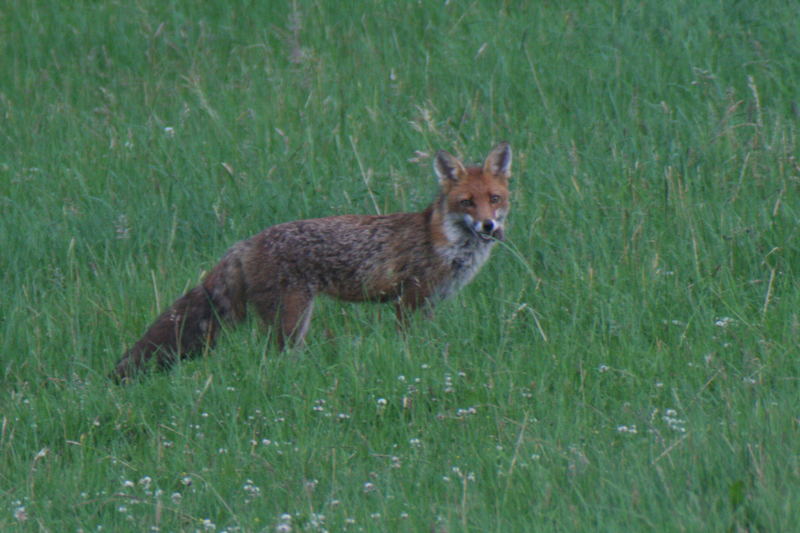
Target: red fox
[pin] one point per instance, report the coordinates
(411, 259)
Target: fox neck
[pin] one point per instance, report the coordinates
(460, 249)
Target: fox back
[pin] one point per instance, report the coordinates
(412, 259)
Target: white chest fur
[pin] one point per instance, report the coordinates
(465, 260)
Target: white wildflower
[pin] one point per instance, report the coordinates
(723, 322)
(20, 514)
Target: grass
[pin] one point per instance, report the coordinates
(627, 362)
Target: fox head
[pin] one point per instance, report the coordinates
(474, 199)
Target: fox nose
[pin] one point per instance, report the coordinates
(488, 226)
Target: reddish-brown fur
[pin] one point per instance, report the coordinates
(409, 258)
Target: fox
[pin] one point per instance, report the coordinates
(412, 259)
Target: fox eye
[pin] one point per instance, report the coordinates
(466, 202)
(494, 198)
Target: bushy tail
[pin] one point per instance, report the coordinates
(190, 324)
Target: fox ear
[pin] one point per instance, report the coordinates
(498, 162)
(447, 167)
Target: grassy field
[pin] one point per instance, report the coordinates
(627, 362)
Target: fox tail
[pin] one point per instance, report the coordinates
(190, 324)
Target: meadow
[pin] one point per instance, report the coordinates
(627, 360)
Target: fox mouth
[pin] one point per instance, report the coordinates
(496, 234)
(485, 231)
(485, 237)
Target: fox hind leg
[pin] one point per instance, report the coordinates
(288, 315)
(295, 317)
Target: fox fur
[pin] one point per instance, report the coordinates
(411, 259)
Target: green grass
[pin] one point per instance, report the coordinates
(628, 362)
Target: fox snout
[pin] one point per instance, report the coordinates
(486, 229)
